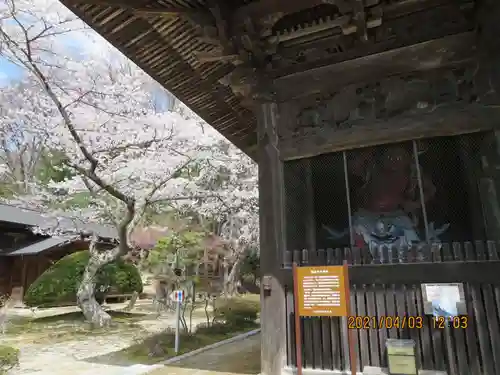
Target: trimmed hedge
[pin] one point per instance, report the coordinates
(59, 284)
(237, 312)
(9, 358)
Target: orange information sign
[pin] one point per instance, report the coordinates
(322, 291)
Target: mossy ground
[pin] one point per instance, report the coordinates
(160, 347)
(66, 326)
(242, 311)
(9, 358)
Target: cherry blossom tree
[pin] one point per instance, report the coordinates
(235, 208)
(95, 108)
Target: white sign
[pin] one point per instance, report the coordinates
(444, 298)
(177, 296)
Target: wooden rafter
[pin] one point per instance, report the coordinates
(156, 11)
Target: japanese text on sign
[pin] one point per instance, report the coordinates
(322, 291)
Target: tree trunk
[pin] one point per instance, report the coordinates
(230, 288)
(85, 296)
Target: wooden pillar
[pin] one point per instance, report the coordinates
(272, 241)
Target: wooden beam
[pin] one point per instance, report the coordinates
(420, 273)
(445, 121)
(473, 272)
(263, 8)
(214, 56)
(418, 57)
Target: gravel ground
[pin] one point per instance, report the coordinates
(67, 356)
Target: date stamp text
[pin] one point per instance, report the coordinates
(406, 322)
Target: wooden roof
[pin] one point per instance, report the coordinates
(207, 52)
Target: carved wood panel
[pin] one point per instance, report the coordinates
(395, 31)
(315, 121)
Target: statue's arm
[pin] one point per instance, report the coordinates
(358, 164)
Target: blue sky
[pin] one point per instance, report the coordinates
(9, 71)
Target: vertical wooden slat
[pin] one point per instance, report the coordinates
(359, 309)
(425, 333)
(470, 331)
(297, 257)
(458, 334)
(317, 345)
(411, 302)
(401, 310)
(307, 331)
(437, 334)
(373, 333)
(290, 327)
(493, 249)
(492, 295)
(390, 301)
(334, 258)
(325, 327)
(487, 319)
(290, 318)
(451, 348)
(290, 334)
(347, 256)
(479, 315)
(380, 312)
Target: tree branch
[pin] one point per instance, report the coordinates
(32, 66)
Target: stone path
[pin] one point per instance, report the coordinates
(240, 357)
(66, 357)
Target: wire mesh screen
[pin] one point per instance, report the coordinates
(403, 194)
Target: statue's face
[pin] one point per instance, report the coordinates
(396, 158)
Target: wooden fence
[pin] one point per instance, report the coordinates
(389, 284)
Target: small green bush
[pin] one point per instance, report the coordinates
(59, 284)
(237, 312)
(9, 358)
(213, 329)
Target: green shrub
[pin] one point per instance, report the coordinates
(213, 329)
(9, 358)
(237, 312)
(59, 284)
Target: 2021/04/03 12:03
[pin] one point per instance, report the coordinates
(405, 321)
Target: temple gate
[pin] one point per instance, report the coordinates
(355, 110)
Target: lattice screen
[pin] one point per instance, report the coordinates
(428, 189)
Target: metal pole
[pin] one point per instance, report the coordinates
(421, 190)
(348, 194)
(177, 324)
